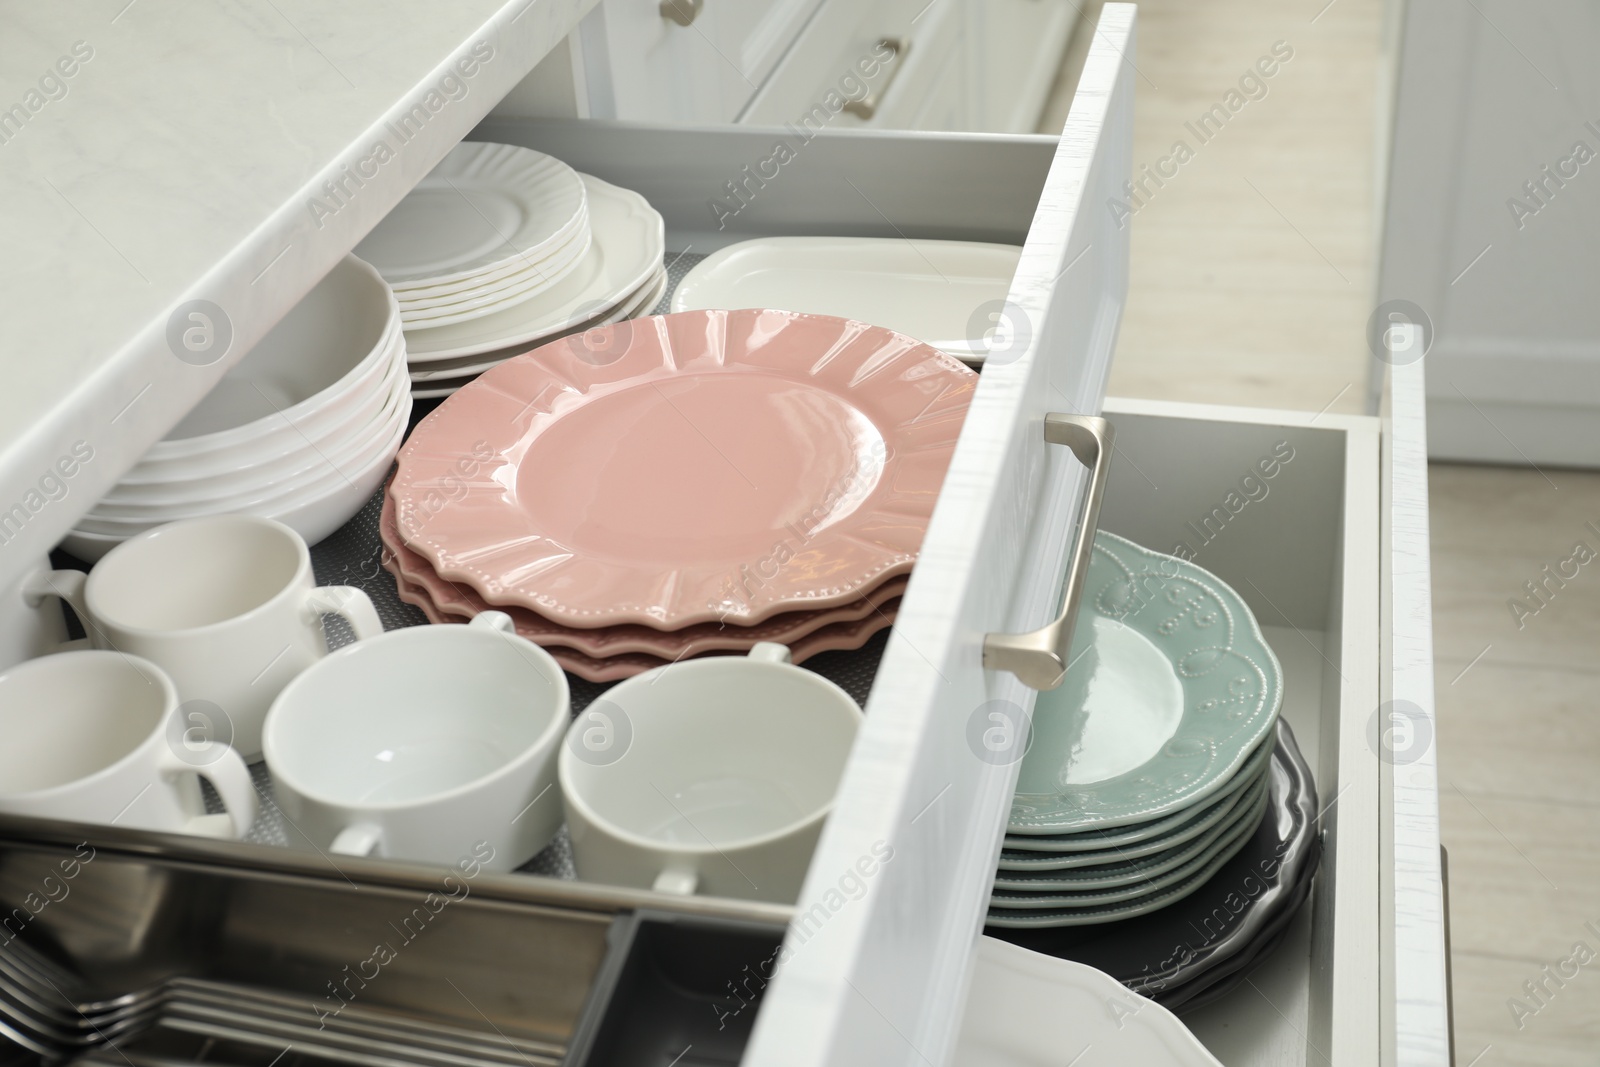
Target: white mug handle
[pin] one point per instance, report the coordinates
(770, 652)
(498, 621)
(350, 604)
(677, 881)
(231, 779)
(358, 840)
(63, 585)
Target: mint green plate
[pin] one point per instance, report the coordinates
(1171, 689)
(1034, 851)
(1143, 869)
(1130, 894)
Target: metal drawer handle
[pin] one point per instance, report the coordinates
(683, 12)
(867, 106)
(1040, 658)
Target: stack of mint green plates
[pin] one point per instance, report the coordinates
(1147, 769)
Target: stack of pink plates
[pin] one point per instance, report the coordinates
(681, 485)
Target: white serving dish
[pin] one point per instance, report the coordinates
(946, 293)
(1025, 1009)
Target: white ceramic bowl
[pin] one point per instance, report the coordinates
(316, 518)
(366, 421)
(307, 364)
(89, 547)
(267, 447)
(319, 483)
(218, 495)
(313, 513)
(420, 744)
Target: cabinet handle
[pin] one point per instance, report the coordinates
(683, 12)
(867, 106)
(1040, 658)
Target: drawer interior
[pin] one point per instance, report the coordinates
(1297, 546)
(118, 922)
(712, 187)
(1303, 555)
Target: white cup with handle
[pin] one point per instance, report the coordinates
(710, 776)
(94, 736)
(424, 744)
(31, 622)
(226, 605)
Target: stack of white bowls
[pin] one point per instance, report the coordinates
(303, 429)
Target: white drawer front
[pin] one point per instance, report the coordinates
(643, 66)
(880, 979)
(870, 63)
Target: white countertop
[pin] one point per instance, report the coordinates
(158, 152)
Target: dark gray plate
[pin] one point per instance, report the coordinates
(1228, 919)
(1224, 978)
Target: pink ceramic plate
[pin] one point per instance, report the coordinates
(839, 636)
(462, 602)
(705, 466)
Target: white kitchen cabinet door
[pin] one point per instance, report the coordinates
(684, 61)
(980, 65)
(872, 63)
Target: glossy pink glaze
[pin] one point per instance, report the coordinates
(708, 466)
(460, 601)
(834, 637)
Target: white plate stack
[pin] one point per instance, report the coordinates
(302, 429)
(501, 249)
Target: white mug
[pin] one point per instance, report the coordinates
(31, 622)
(96, 737)
(423, 743)
(708, 776)
(226, 605)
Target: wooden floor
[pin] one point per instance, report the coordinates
(1252, 274)
(1252, 267)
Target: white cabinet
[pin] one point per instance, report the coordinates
(984, 65)
(981, 65)
(684, 61)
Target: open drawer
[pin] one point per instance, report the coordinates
(878, 976)
(880, 979)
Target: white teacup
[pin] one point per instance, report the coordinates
(226, 605)
(421, 744)
(97, 737)
(709, 776)
(31, 622)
